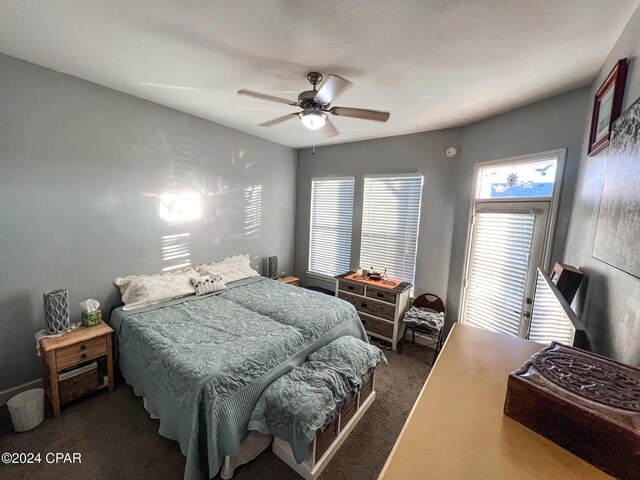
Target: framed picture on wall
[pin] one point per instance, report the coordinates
(607, 106)
(618, 228)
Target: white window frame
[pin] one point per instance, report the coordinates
(311, 273)
(554, 201)
(394, 175)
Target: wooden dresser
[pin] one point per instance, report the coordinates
(457, 428)
(380, 309)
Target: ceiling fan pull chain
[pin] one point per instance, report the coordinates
(313, 150)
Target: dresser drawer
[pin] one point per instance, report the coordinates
(351, 287)
(380, 294)
(370, 306)
(81, 352)
(376, 325)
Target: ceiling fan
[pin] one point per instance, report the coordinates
(316, 104)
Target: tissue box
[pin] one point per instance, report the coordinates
(89, 319)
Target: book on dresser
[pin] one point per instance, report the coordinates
(381, 304)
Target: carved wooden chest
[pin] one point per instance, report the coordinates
(585, 403)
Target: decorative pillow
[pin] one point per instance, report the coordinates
(208, 284)
(230, 269)
(142, 290)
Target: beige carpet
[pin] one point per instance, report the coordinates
(118, 440)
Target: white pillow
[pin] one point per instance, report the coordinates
(208, 284)
(230, 269)
(142, 290)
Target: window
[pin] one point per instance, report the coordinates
(390, 220)
(330, 229)
(551, 318)
(534, 178)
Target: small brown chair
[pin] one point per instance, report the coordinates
(432, 302)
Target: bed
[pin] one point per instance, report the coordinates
(201, 362)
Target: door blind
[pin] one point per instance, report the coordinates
(500, 252)
(549, 322)
(330, 229)
(390, 221)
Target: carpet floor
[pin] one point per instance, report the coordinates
(118, 440)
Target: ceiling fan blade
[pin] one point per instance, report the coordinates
(331, 88)
(264, 96)
(330, 129)
(360, 113)
(275, 121)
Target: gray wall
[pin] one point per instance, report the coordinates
(610, 302)
(81, 170)
(416, 153)
(553, 123)
(550, 124)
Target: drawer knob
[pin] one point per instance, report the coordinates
(349, 287)
(84, 355)
(363, 305)
(380, 295)
(83, 346)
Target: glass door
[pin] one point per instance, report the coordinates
(511, 228)
(506, 248)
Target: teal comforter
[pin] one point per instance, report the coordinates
(298, 403)
(202, 362)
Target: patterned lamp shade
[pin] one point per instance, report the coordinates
(273, 267)
(56, 311)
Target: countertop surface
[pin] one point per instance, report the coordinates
(457, 428)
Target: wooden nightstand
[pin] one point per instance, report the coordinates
(291, 280)
(70, 350)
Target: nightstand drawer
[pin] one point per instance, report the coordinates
(379, 294)
(81, 352)
(372, 307)
(351, 287)
(375, 325)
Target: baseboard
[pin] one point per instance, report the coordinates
(5, 395)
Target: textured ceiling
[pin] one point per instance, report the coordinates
(432, 64)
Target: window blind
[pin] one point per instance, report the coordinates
(549, 322)
(500, 251)
(330, 225)
(390, 221)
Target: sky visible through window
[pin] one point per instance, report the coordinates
(530, 179)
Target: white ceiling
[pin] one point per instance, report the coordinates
(432, 64)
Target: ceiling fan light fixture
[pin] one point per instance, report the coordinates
(313, 119)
